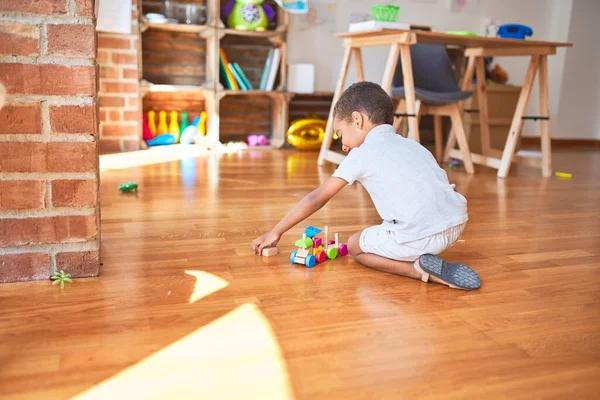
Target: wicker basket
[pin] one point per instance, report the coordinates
(385, 13)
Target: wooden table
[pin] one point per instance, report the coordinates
(476, 48)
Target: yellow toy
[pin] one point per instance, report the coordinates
(152, 122)
(162, 123)
(307, 133)
(174, 126)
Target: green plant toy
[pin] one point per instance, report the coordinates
(128, 187)
(61, 277)
(248, 15)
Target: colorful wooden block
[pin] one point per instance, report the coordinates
(343, 250)
(317, 242)
(320, 256)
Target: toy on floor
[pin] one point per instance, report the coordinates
(269, 251)
(306, 133)
(60, 278)
(128, 187)
(161, 140)
(247, 15)
(563, 175)
(257, 140)
(313, 250)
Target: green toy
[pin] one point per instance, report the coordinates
(61, 277)
(128, 187)
(385, 13)
(249, 15)
(462, 33)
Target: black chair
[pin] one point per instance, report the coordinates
(437, 94)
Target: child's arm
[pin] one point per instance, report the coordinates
(312, 202)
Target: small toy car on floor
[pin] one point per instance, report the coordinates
(312, 249)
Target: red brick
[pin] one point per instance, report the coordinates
(48, 79)
(72, 157)
(120, 130)
(102, 57)
(22, 118)
(111, 101)
(23, 157)
(35, 6)
(113, 43)
(109, 72)
(133, 102)
(24, 267)
(119, 87)
(22, 195)
(119, 58)
(114, 115)
(85, 8)
(63, 229)
(18, 39)
(103, 116)
(74, 193)
(71, 40)
(130, 73)
(109, 146)
(79, 264)
(73, 119)
(131, 116)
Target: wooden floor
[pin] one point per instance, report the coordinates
(183, 310)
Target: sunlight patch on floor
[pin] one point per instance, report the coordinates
(234, 357)
(153, 155)
(206, 284)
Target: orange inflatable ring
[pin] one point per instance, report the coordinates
(307, 133)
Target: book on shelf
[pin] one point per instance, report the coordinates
(274, 67)
(230, 78)
(238, 77)
(265, 73)
(243, 76)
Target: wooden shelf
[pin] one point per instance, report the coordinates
(162, 88)
(264, 34)
(174, 27)
(252, 92)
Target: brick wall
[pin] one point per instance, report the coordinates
(119, 97)
(49, 214)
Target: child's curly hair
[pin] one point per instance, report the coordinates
(368, 98)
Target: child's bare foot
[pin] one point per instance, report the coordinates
(455, 275)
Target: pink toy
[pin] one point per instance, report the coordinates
(258, 140)
(343, 250)
(317, 242)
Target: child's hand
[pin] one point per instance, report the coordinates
(267, 240)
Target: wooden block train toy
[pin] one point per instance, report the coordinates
(313, 250)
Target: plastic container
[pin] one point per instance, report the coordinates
(385, 13)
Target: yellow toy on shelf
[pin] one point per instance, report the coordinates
(162, 123)
(306, 133)
(152, 122)
(174, 126)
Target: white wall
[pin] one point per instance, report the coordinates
(579, 100)
(549, 19)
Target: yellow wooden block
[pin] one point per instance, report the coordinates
(317, 249)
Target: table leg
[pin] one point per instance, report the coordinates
(336, 95)
(358, 65)
(484, 127)
(517, 123)
(409, 88)
(461, 137)
(466, 86)
(437, 130)
(400, 109)
(544, 123)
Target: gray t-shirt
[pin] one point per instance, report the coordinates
(410, 191)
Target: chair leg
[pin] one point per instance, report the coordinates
(437, 130)
(461, 137)
(398, 120)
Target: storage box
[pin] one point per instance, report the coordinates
(301, 78)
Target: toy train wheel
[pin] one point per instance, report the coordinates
(310, 261)
(332, 253)
(320, 256)
(293, 256)
(343, 250)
